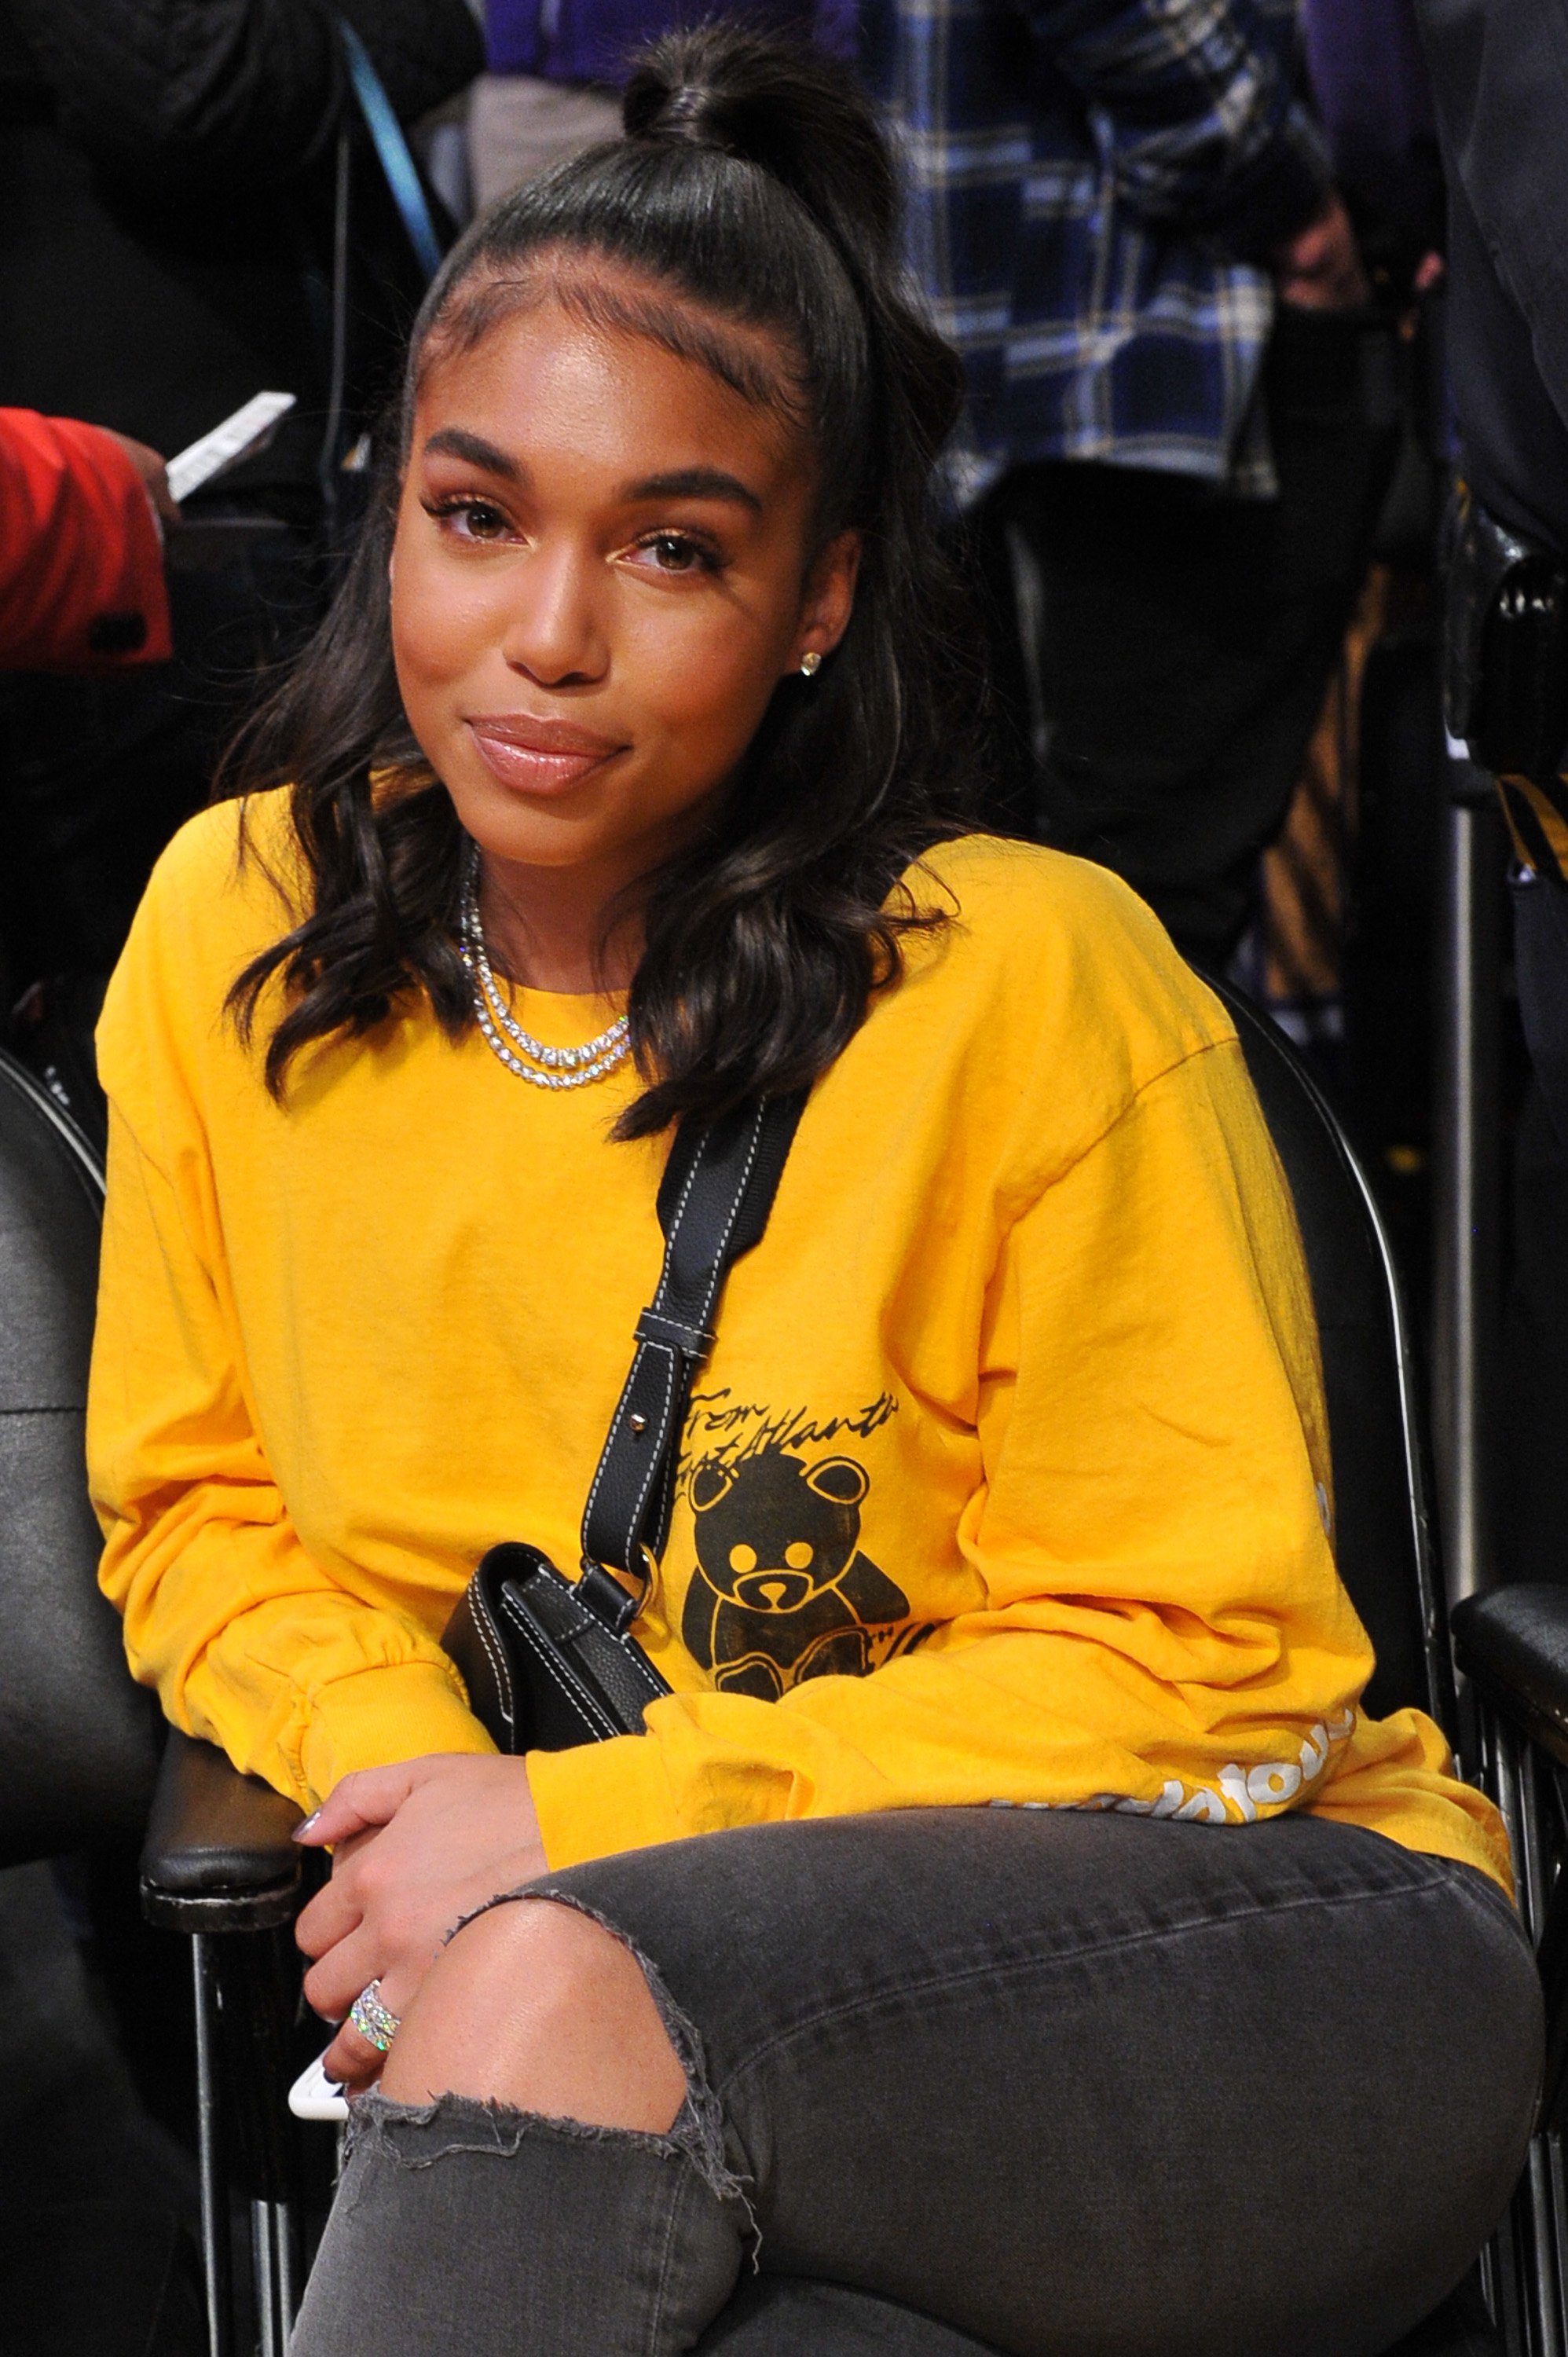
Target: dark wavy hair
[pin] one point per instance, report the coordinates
(753, 182)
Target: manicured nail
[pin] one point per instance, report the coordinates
(302, 1832)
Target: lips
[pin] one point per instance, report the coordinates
(539, 755)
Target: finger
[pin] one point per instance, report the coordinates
(370, 1797)
(332, 1914)
(339, 1907)
(345, 1852)
(335, 1980)
(352, 2059)
(154, 475)
(326, 1923)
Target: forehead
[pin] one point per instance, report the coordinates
(554, 373)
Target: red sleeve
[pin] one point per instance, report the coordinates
(81, 566)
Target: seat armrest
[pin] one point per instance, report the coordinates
(216, 1855)
(1513, 1642)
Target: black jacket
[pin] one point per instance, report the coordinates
(167, 194)
(1499, 77)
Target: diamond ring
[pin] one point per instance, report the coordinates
(370, 2017)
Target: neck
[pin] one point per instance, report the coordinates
(546, 927)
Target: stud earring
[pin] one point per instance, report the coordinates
(812, 664)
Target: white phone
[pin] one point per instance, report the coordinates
(314, 2096)
(250, 429)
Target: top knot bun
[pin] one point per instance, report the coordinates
(727, 87)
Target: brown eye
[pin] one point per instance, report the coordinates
(462, 519)
(677, 555)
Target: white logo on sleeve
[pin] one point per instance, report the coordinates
(1244, 1794)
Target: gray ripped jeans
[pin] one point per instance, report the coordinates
(972, 2080)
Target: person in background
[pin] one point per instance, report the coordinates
(82, 588)
(82, 513)
(168, 209)
(1499, 79)
(1123, 216)
(549, 93)
(552, 86)
(1370, 90)
(95, 2257)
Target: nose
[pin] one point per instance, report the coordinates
(555, 632)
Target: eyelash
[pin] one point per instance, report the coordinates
(709, 559)
(459, 503)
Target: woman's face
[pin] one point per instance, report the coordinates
(600, 574)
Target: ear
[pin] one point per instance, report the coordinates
(839, 1479)
(828, 598)
(708, 1484)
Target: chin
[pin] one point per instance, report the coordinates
(526, 832)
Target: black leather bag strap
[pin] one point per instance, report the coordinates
(714, 1205)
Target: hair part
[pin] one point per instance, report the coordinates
(753, 192)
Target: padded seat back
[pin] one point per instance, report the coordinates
(1382, 1535)
(78, 1741)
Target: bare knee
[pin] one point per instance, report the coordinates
(536, 2006)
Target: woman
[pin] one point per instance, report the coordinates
(642, 788)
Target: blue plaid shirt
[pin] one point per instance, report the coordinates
(1092, 186)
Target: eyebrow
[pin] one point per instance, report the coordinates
(454, 442)
(679, 483)
(692, 483)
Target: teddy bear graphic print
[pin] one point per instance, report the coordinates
(783, 1589)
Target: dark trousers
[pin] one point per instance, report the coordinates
(1162, 652)
(972, 2080)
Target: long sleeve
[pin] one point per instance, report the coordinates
(81, 567)
(167, 90)
(298, 1673)
(1500, 79)
(1015, 1408)
(1194, 114)
(1162, 1629)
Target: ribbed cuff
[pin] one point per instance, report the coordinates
(382, 1715)
(601, 1798)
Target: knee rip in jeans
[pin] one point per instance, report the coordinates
(400, 2132)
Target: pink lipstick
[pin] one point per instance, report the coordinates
(539, 756)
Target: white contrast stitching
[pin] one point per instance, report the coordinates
(495, 1652)
(562, 1673)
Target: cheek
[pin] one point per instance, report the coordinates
(436, 629)
(705, 671)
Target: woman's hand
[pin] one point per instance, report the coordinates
(417, 1847)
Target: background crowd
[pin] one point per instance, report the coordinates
(1233, 352)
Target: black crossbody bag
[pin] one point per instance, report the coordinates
(548, 1661)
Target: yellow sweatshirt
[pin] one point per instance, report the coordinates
(1007, 1481)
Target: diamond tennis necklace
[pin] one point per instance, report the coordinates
(530, 1059)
